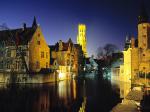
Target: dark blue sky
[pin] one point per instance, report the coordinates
(108, 21)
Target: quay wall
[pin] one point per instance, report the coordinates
(27, 78)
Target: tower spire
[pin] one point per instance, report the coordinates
(34, 24)
(143, 17)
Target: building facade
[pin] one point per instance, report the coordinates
(137, 56)
(66, 57)
(24, 49)
(39, 53)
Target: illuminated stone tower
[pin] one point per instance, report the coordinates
(81, 38)
(143, 29)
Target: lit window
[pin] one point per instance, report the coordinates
(42, 54)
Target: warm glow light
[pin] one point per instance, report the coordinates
(61, 76)
(74, 90)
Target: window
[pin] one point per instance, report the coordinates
(22, 66)
(46, 54)
(42, 54)
(24, 53)
(8, 53)
(68, 62)
(38, 34)
(8, 64)
(42, 107)
(17, 53)
(144, 27)
(38, 42)
(46, 64)
(37, 65)
(144, 36)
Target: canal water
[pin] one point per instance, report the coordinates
(93, 94)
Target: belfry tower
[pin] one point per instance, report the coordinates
(143, 29)
(81, 38)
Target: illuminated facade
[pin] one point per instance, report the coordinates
(39, 53)
(137, 56)
(26, 49)
(130, 67)
(66, 57)
(62, 55)
(81, 38)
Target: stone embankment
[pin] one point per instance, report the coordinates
(7, 78)
(130, 103)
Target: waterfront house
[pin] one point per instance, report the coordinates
(24, 49)
(62, 55)
(66, 57)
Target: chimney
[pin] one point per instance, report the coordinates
(24, 26)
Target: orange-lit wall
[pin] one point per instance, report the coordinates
(37, 45)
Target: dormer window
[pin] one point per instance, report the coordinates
(38, 42)
(38, 34)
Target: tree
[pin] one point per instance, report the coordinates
(104, 55)
(106, 51)
(110, 48)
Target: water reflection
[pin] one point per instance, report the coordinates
(64, 96)
(123, 87)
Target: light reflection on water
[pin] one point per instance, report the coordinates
(65, 96)
(122, 87)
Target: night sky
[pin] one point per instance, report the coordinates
(108, 21)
